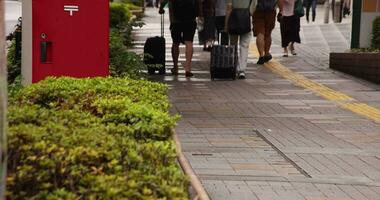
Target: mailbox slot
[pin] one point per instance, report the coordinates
(46, 52)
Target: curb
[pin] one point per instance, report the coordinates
(186, 167)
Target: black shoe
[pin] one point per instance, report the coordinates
(189, 74)
(174, 71)
(267, 58)
(261, 61)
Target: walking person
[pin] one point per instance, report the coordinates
(220, 18)
(264, 19)
(238, 25)
(313, 5)
(182, 16)
(289, 25)
(346, 8)
(207, 35)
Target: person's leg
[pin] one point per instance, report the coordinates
(175, 55)
(284, 42)
(260, 42)
(176, 37)
(234, 41)
(245, 39)
(270, 21)
(268, 43)
(259, 31)
(308, 6)
(292, 49)
(314, 9)
(188, 36)
(189, 55)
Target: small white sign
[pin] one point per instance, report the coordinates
(71, 9)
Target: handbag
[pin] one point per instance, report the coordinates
(279, 17)
(298, 8)
(239, 21)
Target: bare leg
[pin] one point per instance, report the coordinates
(260, 44)
(292, 49)
(189, 55)
(175, 55)
(285, 52)
(268, 43)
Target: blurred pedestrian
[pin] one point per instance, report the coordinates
(346, 8)
(209, 25)
(182, 16)
(220, 18)
(238, 25)
(264, 19)
(313, 5)
(289, 25)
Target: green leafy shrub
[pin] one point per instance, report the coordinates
(138, 3)
(364, 50)
(13, 64)
(122, 62)
(376, 33)
(101, 138)
(80, 94)
(119, 15)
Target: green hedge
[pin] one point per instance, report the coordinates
(124, 63)
(101, 138)
(376, 33)
(119, 15)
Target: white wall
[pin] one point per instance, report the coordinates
(26, 53)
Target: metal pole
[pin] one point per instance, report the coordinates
(327, 11)
(356, 21)
(3, 104)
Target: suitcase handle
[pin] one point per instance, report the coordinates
(220, 38)
(162, 25)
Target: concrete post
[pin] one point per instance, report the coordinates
(3, 104)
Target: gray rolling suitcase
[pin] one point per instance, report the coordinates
(223, 62)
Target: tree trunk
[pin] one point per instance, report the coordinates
(3, 104)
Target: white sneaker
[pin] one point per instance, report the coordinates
(241, 75)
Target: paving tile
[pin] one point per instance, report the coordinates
(297, 129)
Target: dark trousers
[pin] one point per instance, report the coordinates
(313, 5)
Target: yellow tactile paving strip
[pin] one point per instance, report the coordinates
(340, 98)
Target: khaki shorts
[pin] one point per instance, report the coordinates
(264, 22)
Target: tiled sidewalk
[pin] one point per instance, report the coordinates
(266, 138)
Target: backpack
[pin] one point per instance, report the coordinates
(185, 10)
(266, 5)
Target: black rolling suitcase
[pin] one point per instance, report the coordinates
(223, 62)
(154, 52)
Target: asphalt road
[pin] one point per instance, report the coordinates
(12, 13)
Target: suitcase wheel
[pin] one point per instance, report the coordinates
(162, 71)
(151, 71)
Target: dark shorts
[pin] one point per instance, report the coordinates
(264, 22)
(182, 31)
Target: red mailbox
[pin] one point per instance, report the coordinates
(65, 38)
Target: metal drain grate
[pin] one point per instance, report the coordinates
(282, 154)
